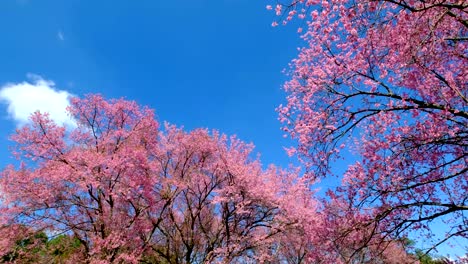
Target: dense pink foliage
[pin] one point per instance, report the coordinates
(387, 80)
(129, 191)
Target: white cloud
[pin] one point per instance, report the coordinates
(22, 2)
(60, 35)
(24, 98)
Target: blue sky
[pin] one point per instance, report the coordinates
(214, 64)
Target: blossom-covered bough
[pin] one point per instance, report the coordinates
(387, 79)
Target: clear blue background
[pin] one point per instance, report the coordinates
(199, 63)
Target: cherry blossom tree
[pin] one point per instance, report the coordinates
(333, 234)
(387, 81)
(129, 192)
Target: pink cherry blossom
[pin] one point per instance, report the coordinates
(130, 192)
(389, 80)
